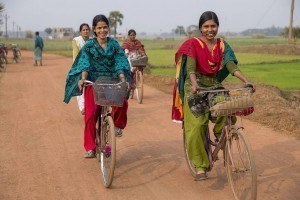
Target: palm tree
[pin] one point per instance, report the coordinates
(1, 10)
(115, 18)
(1, 7)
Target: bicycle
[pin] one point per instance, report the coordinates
(16, 52)
(108, 92)
(237, 154)
(138, 63)
(3, 57)
(4, 50)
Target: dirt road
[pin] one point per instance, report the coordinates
(41, 142)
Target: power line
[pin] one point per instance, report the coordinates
(265, 13)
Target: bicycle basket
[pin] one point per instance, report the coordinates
(235, 102)
(139, 61)
(109, 91)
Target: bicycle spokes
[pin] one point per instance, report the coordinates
(240, 167)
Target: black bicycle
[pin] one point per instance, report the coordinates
(108, 92)
(16, 52)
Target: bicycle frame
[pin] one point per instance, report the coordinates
(221, 142)
(237, 154)
(99, 133)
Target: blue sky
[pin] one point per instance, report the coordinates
(150, 16)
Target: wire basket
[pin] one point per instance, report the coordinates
(139, 61)
(109, 91)
(231, 102)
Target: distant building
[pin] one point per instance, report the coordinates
(62, 33)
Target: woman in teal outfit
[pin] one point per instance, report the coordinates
(100, 56)
(201, 62)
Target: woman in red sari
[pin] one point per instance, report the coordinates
(133, 45)
(133, 48)
(203, 61)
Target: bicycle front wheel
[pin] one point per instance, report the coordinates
(2, 65)
(139, 86)
(108, 151)
(240, 166)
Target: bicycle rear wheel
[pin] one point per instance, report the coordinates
(108, 151)
(2, 65)
(139, 86)
(240, 166)
(19, 56)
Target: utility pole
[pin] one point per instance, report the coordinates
(6, 17)
(17, 31)
(20, 30)
(291, 20)
(13, 28)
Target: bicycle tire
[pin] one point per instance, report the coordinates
(5, 58)
(240, 167)
(189, 163)
(107, 158)
(139, 86)
(18, 57)
(3, 65)
(132, 93)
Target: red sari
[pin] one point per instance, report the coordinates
(135, 45)
(207, 63)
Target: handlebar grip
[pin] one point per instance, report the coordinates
(88, 82)
(249, 85)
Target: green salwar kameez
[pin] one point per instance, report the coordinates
(195, 127)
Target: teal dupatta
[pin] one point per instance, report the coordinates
(93, 59)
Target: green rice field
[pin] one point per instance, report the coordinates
(286, 76)
(282, 71)
(165, 58)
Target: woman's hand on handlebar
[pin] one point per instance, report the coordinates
(194, 88)
(250, 85)
(81, 84)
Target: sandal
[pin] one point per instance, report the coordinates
(200, 177)
(90, 154)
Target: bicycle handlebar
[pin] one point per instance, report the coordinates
(210, 89)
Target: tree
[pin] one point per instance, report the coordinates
(1, 7)
(192, 31)
(29, 34)
(180, 31)
(115, 18)
(1, 10)
(48, 31)
(296, 32)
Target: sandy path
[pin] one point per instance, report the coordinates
(42, 154)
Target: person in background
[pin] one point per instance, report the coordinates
(100, 56)
(38, 49)
(77, 44)
(133, 48)
(132, 44)
(203, 61)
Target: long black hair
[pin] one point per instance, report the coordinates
(82, 25)
(208, 15)
(131, 31)
(99, 18)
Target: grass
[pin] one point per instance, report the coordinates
(283, 75)
(161, 57)
(165, 58)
